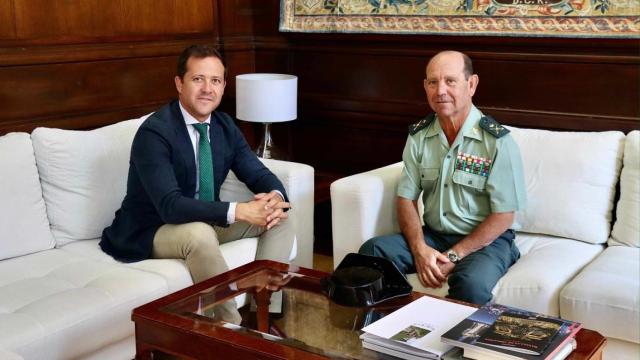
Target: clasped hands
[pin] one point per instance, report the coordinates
(432, 267)
(266, 209)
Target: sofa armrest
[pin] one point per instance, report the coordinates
(363, 206)
(298, 181)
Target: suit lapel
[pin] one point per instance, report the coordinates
(184, 148)
(217, 150)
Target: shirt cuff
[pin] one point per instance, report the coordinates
(279, 193)
(231, 213)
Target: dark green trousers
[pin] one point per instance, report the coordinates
(472, 279)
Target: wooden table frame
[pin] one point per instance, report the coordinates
(192, 338)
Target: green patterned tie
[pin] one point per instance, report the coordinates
(205, 163)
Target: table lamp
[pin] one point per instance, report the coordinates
(267, 99)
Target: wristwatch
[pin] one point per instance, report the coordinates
(453, 256)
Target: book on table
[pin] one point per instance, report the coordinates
(503, 332)
(561, 354)
(527, 334)
(413, 332)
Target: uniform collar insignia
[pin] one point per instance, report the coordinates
(491, 126)
(414, 128)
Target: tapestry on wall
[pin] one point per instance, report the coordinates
(560, 18)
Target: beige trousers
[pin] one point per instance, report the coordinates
(198, 243)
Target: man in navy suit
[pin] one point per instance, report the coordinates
(164, 213)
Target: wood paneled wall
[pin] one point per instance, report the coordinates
(85, 63)
(359, 93)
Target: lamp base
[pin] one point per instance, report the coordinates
(267, 149)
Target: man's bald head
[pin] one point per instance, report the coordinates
(466, 60)
(450, 85)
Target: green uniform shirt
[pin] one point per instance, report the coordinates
(462, 184)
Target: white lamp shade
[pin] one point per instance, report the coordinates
(266, 98)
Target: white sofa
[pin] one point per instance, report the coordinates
(61, 297)
(572, 265)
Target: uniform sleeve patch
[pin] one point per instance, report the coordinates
(491, 126)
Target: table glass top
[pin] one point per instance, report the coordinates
(299, 315)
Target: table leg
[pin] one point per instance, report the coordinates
(263, 299)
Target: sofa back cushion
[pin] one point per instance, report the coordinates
(23, 217)
(571, 180)
(84, 177)
(626, 230)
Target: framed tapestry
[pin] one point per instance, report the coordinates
(556, 18)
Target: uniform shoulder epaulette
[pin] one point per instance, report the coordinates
(493, 127)
(414, 128)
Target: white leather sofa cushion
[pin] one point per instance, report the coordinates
(534, 283)
(66, 302)
(174, 271)
(626, 230)
(84, 177)
(567, 173)
(606, 294)
(621, 350)
(55, 305)
(7, 355)
(124, 349)
(546, 264)
(23, 217)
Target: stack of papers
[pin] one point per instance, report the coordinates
(413, 331)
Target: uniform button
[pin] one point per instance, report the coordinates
(446, 185)
(448, 156)
(470, 182)
(444, 214)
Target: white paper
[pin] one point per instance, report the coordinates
(425, 314)
(419, 355)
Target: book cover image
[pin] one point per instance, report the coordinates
(469, 332)
(530, 334)
(412, 333)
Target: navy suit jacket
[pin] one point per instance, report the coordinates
(162, 180)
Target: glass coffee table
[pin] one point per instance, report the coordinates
(301, 324)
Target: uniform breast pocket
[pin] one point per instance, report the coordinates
(472, 194)
(429, 178)
(474, 181)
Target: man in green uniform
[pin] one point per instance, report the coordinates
(469, 170)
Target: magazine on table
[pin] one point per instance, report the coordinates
(527, 334)
(413, 331)
(561, 354)
(509, 333)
